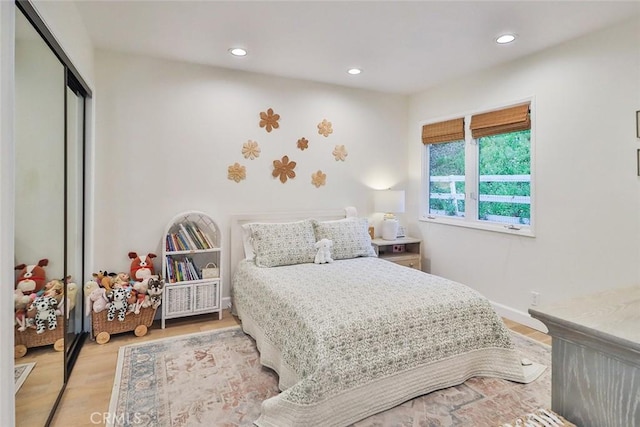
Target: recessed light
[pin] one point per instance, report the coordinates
(505, 38)
(237, 51)
(354, 71)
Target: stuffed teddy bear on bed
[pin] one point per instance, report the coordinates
(324, 251)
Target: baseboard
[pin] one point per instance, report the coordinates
(519, 316)
(226, 302)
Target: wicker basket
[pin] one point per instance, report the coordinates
(102, 328)
(29, 338)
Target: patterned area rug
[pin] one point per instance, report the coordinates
(20, 374)
(215, 379)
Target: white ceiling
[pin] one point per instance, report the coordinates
(402, 46)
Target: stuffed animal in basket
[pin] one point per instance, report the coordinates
(324, 251)
(22, 301)
(104, 279)
(72, 294)
(118, 298)
(95, 298)
(121, 280)
(45, 308)
(141, 266)
(69, 299)
(142, 299)
(156, 287)
(54, 288)
(31, 278)
(22, 321)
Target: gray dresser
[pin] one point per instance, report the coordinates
(596, 357)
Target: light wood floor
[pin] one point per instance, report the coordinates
(86, 398)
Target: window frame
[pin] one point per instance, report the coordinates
(470, 220)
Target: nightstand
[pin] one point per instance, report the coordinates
(404, 251)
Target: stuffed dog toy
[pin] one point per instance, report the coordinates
(45, 308)
(118, 298)
(156, 286)
(32, 278)
(141, 266)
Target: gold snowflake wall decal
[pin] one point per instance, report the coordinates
(269, 120)
(284, 169)
(236, 172)
(250, 150)
(340, 153)
(324, 128)
(318, 178)
(303, 144)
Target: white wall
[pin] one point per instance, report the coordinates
(166, 133)
(586, 189)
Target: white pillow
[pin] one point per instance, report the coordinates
(350, 237)
(247, 244)
(283, 243)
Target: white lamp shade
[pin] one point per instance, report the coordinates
(389, 201)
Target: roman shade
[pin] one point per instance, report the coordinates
(447, 131)
(501, 121)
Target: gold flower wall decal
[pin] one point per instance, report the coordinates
(269, 120)
(236, 172)
(324, 128)
(340, 153)
(318, 178)
(250, 150)
(284, 169)
(303, 144)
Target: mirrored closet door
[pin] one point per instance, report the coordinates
(39, 207)
(49, 213)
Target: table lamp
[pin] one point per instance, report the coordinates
(390, 202)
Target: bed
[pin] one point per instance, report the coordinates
(359, 335)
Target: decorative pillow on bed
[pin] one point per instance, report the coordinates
(350, 237)
(247, 242)
(283, 243)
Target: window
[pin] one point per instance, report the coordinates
(480, 175)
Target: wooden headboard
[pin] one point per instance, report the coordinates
(237, 220)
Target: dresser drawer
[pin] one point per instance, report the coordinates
(408, 261)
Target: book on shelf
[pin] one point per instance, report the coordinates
(191, 229)
(182, 270)
(206, 238)
(183, 244)
(198, 235)
(187, 237)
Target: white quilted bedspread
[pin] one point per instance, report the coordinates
(358, 336)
